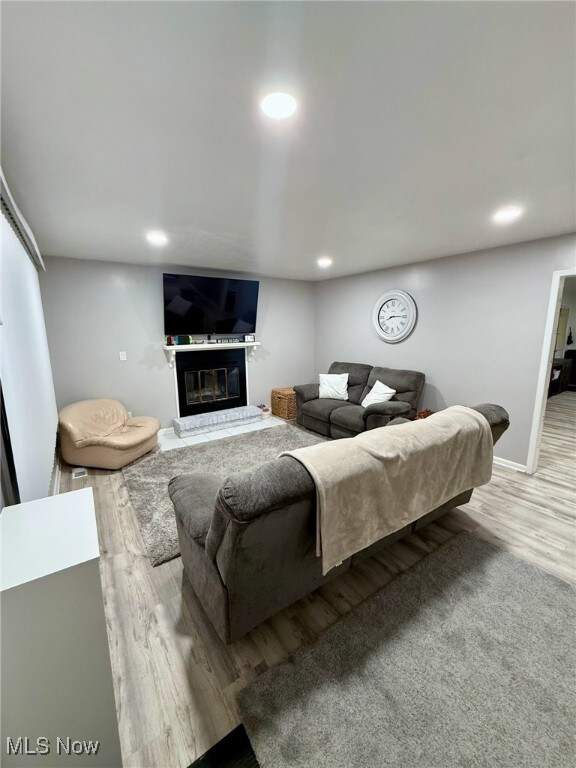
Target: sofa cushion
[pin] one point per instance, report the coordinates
(351, 417)
(408, 384)
(391, 408)
(194, 495)
(381, 414)
(315, 425)
(379, 393)
(321, 409)
(333, 386)
(358, 374)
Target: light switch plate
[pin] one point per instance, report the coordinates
(122, 356)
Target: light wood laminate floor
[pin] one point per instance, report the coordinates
(175, 681)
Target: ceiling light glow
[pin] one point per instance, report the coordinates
(324, 262)
(157, 237)
(278, 106)
(508, 214)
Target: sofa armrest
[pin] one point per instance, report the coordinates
(193, 496)
(496, 416)
(305, 392)
(246, 495)
(398, 420)
(391, 408)
(252, 492)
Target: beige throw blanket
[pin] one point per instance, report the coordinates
(376, 483)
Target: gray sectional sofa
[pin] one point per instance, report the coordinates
(346, 418)
(249, 543)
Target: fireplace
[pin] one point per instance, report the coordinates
(210, 380)
(212, 385)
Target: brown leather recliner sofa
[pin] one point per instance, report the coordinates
(102, 434)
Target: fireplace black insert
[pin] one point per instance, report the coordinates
(210, 380)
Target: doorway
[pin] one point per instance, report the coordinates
(555, 372)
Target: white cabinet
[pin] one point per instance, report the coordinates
(56, 686)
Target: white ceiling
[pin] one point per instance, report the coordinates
(416, 121)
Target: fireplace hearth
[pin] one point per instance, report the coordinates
(210, 381)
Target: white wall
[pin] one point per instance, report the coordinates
(95, 309)
(25, 369)
(480, 327)
(478, 339)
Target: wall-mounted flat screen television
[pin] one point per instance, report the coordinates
(198, 305)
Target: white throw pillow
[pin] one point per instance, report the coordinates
(334, 386)
(379, 393)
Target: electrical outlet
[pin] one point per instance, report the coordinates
(122, 356)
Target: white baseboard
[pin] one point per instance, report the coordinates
(509, 464)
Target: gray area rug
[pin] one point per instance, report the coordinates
(467, 659)
(147, 479)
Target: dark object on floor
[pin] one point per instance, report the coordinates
(560, 375)
(233, 751)
(465, 659)
(248, 544)
(570, 354)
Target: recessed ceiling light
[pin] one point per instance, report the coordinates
(508, 214)
(278, 106)
(157, 237)
(324, 262)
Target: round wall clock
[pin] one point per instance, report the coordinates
(394, 316)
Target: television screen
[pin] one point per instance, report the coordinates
(194, 304)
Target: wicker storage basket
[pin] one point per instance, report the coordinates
(284, 403)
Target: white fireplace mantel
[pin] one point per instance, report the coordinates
(171, 350)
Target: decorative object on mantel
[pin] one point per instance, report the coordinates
(196, 346)
(284, 402)
(424, 414)
(147, 479)
(569, 340)
(394, 316)
(249, 337)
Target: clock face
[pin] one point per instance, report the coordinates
(394, 316)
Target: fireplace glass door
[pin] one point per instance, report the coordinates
(210, 381)
(212, 385)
